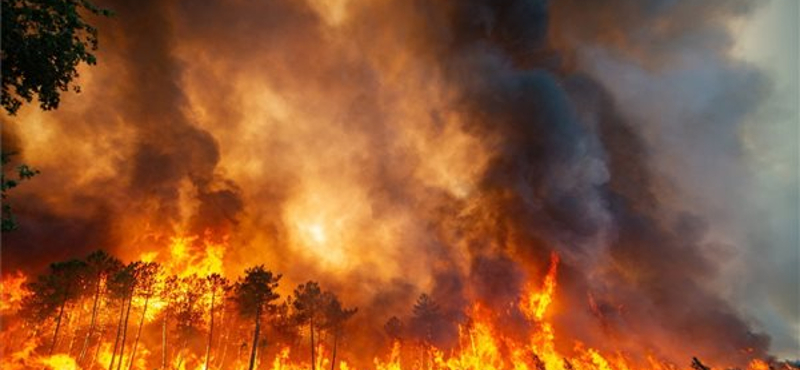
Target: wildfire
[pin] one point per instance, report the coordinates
(12, 290)
(60, 362)
(184, 298)
(191, 299)
(383, 150)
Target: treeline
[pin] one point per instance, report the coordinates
(99, 309)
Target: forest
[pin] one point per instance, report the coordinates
(79, 305)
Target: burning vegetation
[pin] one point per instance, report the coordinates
(101, 313)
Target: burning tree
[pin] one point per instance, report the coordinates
(255, 293)
(59, 298)
(100, 267)
(426, 318)
(335, 317)
(188, 311)
(53, 292)
(169, 294)
(216, 285)
(394, 329)
(148, 274)
(308, 309)
(320, 310)
(122, 287)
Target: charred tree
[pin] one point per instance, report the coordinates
(215, 284)
(254, 295)
(100, 266)
(147, 281)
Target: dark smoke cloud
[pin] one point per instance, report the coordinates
(171, 148)
(602, 159)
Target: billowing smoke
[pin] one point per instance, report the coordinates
(392, 148)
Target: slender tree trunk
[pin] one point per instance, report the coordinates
(119, 330)
(58, 324)
(210, 330)
(221, 336)
(125, 330)
(221, 362)
(89, 333)
(333, 356)
(223, 344)
(313, 350)
(138, 332)
(164, 340)
(97, 348)
(76, 331)
(255, 340)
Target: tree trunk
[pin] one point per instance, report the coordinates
(119, 330)
(89, 333)
(97, 349)
(58, 325)
(77, 325)
(223, 344)
(222, 335)
(333, 356)
(210, 331)
(255, 340)
(125, 330)
(164, 339)
(138, 332)
(313, 351)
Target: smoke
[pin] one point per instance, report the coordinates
(393, 148)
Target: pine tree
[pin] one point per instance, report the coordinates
(255, 293)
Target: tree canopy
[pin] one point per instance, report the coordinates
(43, 43)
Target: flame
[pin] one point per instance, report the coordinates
(481, 343)
(12, 290)
(538, 301)
(757, 364)
(60, 362)
(190, 255)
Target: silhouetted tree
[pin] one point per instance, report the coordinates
(426, 316)
(53, 291)
(308, 303)
(188, 311)
(285, 324)
(425, 324)
(394, 329)
(148, 273)
(216, 285)
(335, 318)
(230, 322)
(169, 294)
(43, 42)
(100, 266)
(121, 286)
(254, 294)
